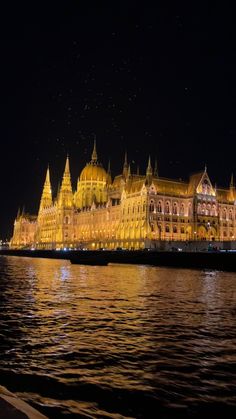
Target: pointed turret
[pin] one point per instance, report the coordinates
(149, 167)
(149, 171)
(18, 214)
(232, 194)
(109, 173)
(232, 181)
(46, 199)
(94, 156)
(155, 169)
(109, 168)
(138, 170)
(125, 166)
(66, 195)
(129, 172)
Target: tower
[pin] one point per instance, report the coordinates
(65, 198)
(65, 210)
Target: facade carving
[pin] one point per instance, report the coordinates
(132, 211)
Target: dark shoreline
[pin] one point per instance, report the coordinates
(225, 261)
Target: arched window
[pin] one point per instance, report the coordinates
(151, 206)
(224, 214)
(175, 208)
(174, 229)
(213, 210)
(182, 209)
(167, 229)
(159, 207)
(203, 209)
(208, 209)
(230, 214)
(167, 207)
(182, 230)
(189, 209)
(66, 219)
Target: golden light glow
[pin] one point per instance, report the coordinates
(133, 211)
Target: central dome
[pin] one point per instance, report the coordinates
(93, 172)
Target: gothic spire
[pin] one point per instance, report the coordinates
(46, 199)
(65, 195)
(232, 181)
(149, 172)
(149, 168)
(66, 181)
(232, 194)
(109, 168)
(109, 173)
(125, 166)
(129, 171)
(18, 214)
(155, 169)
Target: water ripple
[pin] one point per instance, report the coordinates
(118, 341)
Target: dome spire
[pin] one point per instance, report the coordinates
(94, 153)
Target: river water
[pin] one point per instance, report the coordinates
(119, 341)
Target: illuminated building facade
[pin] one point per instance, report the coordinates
(132, 211)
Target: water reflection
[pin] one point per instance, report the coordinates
(114, 341)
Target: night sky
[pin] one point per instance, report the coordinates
(157, 80)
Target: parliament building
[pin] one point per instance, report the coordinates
(132, 211)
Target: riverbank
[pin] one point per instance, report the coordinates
(220, 260)
(225, 260)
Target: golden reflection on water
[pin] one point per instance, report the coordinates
(157, 290)
(120, 327)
